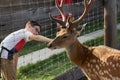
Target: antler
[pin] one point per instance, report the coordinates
(59, 7)
(86, 10)
(56, 20)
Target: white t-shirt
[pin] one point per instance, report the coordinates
(16, 40)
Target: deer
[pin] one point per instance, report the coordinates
(97, 62)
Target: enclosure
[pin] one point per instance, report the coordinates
(36, 61)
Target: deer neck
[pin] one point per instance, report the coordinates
(77, 52)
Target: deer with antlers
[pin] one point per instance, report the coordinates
(97, 63)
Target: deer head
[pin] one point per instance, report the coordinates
(68, 32)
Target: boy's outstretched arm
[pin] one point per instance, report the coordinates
(40, 38)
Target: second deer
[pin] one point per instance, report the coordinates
(97, 63)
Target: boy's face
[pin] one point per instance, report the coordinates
(35, 30)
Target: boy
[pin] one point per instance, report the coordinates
(13, 43)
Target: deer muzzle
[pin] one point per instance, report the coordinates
(49, 45)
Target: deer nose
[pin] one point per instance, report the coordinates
(49, 45)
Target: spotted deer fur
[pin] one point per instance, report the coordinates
(97, 63)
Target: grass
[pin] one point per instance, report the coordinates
(47, 69)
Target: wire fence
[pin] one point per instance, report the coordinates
(15, 13)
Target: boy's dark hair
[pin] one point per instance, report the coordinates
(33, 23)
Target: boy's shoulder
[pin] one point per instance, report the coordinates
(21, 30)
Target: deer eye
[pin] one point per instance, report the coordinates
(65, 37)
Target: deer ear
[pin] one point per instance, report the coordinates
(79, 32)
(70, 18)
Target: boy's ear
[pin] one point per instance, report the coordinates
(83, 27)
(27, 25)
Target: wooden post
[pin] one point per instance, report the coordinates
(110, 21)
